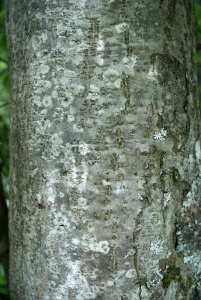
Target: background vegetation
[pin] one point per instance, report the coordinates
(4, 130)
(4, 111)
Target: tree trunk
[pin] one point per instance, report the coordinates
(105, 150)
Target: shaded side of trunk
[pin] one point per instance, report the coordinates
(104, 148)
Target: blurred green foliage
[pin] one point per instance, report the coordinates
(4, 95)
(3, 284)
(198, 28)
(4, 125)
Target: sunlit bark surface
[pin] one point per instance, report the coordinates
(105, 150)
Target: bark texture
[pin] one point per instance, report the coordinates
(105, 150)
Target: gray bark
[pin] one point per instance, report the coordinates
(105, 150)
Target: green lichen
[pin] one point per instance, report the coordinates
(190, 281)
(173, 273)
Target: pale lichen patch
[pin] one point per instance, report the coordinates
(157, 247)
(122, 27)
(82, 202)
(83, 148)
(131, 273)
(77, 128)
(43, 69)
(75, 241)
(160, 135)
(188, 229)
(166, 198)
(112, 78)
(152, 74)
(191, 159)
(198, 151)
(47, 101)
(37, 100)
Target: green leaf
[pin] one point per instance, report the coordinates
(3, 283)
(2, 5)
(198, 56)
(5, 170)
(6, 80)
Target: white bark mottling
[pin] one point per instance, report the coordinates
(103, 121)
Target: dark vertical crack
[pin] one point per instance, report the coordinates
(138, 276)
